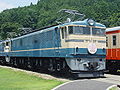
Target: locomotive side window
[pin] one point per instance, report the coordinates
(114, 40)
(56, 30)
(64, 32)
(21, 42)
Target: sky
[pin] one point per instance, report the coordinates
(8, 4)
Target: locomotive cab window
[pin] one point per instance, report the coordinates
(98, 32)
(64, 32)
(70, 28)
(114, 40)
(79, 30)
(7, 43)
(7, 46)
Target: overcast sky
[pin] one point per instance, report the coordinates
(7, 4)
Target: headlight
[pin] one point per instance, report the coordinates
(91, 22)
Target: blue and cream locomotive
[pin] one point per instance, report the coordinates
(77, 47)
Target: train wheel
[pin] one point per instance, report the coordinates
(51, 68)
(15, 62)
(11, 62)
(2, 61)
(29, 66)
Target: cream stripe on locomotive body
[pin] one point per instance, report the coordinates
(82, 41)
(99, 40)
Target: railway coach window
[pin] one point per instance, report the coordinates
(114, 40)
(106, 41)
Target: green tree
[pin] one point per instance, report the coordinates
(45, 13)
(9, 30)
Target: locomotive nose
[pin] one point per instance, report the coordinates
(92, 48)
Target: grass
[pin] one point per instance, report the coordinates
(17, 80)
(114, 88)
(118, 70)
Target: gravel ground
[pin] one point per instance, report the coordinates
(41, 75)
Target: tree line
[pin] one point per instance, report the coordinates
(45, 12)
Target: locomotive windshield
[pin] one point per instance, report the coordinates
(86, 30)
(79, 30)
(98, 32)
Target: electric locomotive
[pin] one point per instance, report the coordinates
(113, 49)
(77, 47)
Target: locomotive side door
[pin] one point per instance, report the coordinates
(64, 35)
(57, 38)
(57, 41)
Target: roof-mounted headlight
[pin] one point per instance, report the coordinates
(91, 22)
